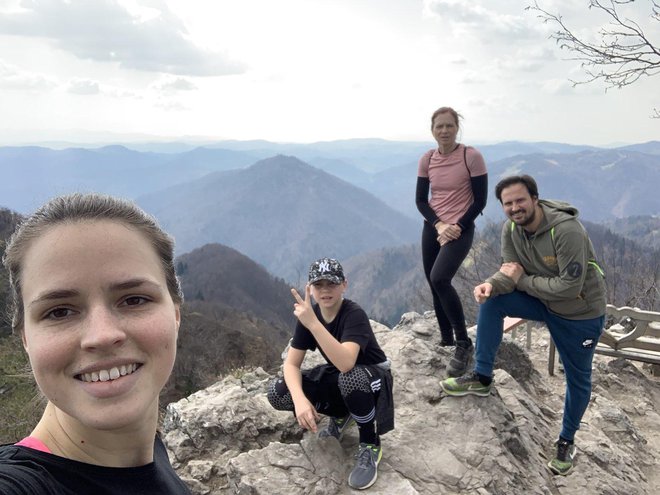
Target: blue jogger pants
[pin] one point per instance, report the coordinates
(575, 341)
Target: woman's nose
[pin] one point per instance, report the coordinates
(101, 329)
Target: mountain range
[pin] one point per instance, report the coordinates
(282, 213)
(387, 169)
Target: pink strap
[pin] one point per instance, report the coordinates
(34, 443)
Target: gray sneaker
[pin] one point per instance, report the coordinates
(459, 363)
(336, 427)
(365, 472)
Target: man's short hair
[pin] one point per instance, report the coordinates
(527, 180)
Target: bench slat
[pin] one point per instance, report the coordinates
(642, 343)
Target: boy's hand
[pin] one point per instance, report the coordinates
(307, 416)
(303, 308)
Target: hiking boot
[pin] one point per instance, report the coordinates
(365, 472)
(563, 462)
(465, 385)
(459, 363)
(336, 427)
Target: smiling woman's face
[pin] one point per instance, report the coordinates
(100, 325)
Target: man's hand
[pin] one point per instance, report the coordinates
(303, 308)
(306, 415)
(512, 270)
(482, 292)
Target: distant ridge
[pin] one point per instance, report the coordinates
(214, 277)
(235, 314)
(281, 212)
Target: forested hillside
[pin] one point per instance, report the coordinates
(390, 281)
(235, 314)
(19, 404)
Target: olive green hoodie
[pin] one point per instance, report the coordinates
(559, 262)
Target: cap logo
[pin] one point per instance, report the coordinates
(324, 266)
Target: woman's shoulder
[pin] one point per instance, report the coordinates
(475, 160)
(22, 473)
(472, 151)
(426, 157)
(25, 471)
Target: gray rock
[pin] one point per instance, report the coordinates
(227, 439)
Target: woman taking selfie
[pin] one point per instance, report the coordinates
(96, 302)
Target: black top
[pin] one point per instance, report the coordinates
(350, 325)
(25, 471)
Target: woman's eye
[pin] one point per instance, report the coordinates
(59, 313)
(135, 300)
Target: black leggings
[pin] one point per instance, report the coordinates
(440, 266)
(336, 394)
(332, 393)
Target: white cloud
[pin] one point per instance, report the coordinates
(105, 30)
(318, 70)
(15, 78)
(475, 18)
(171, 106)
(172, 84)
(83, 87)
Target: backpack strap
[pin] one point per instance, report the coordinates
(465, 160)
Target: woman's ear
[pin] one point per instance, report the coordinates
(177, 316)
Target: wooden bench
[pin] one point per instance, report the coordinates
(511, 324)
(635, 335)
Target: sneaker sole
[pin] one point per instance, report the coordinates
(554, 470)
(463, 393)
(365, 486)
(558, 471)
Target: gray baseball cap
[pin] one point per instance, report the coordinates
(326, 269)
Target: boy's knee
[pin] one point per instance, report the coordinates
(279, 396)
(355, 379)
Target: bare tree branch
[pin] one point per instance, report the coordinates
(621, 55)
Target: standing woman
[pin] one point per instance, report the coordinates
(456, 176)
(96, 302)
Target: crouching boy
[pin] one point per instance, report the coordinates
(355, 386)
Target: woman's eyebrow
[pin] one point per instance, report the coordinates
(52, 295)
(56, 294)
(134, 283)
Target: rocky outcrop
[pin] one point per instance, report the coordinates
(227, 439)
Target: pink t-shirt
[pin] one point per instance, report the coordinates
(34, 443)
(451, 190)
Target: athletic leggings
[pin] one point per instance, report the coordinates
(440, 266)
(335, 394)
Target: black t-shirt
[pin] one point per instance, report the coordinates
(25, 471)
(350, 325)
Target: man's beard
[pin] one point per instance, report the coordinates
(526, 220)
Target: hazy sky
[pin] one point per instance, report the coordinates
(307, 70)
